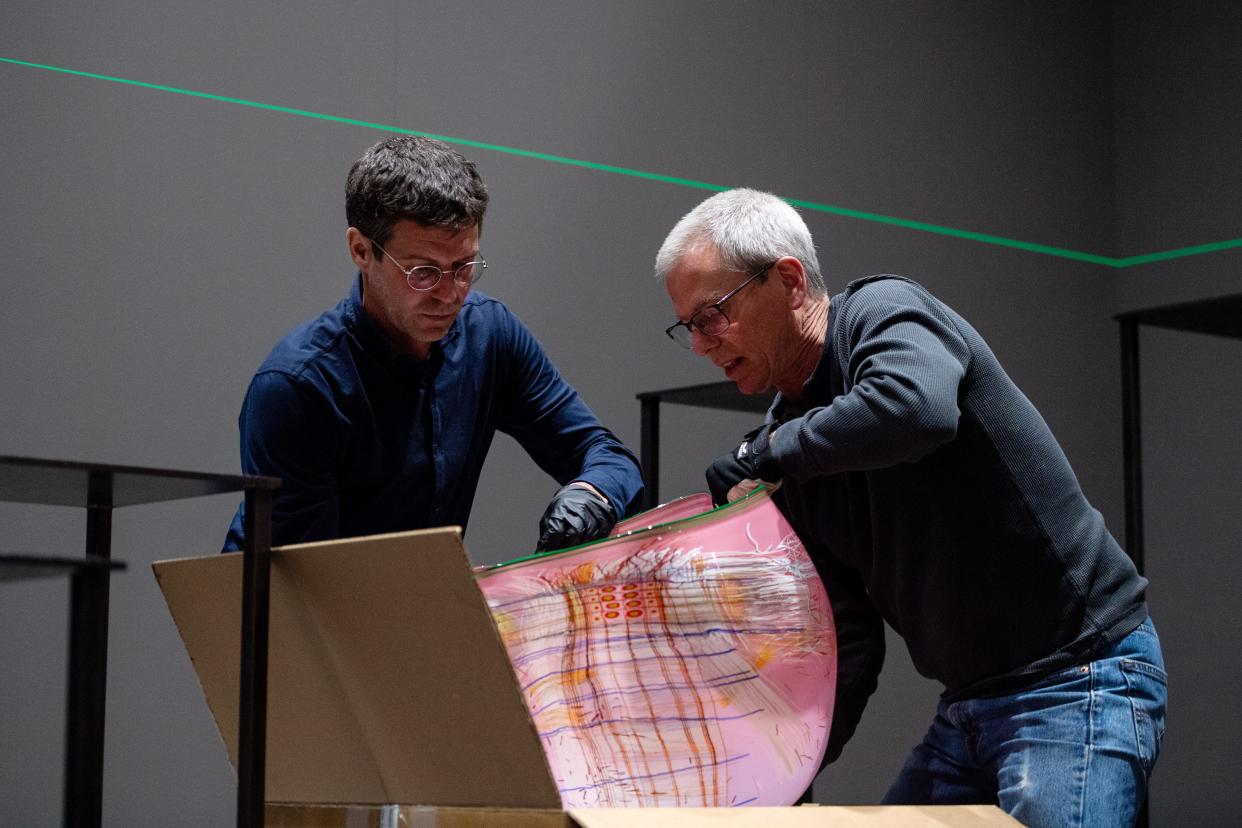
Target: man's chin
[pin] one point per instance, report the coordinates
(745, 386)
(435, 327)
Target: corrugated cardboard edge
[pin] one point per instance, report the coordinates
(836, 816)
(159, 570)
(811, 816)
(291, 815)
(204, 598)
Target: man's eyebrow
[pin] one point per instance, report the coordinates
(714, 297)
(414, 257)
(694, 311)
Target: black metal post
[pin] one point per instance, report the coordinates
(252, 724)
(650, 450)
(1132, 446)
(88, 661)
(1132, 449)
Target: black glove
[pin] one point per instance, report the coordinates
(751, 460)
(575, 515)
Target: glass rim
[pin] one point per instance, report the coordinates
(749, 499)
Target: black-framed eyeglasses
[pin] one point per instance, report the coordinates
(711, 320)
(425, 277)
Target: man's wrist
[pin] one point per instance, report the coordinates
(759, 448)
(582, 484)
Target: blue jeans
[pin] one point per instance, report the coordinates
(1074, 749)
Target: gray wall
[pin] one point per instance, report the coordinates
(1178, 154)
(158, 244)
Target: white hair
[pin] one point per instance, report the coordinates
(748, 229)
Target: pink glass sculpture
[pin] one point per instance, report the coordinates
(679, 509)
(688, 660)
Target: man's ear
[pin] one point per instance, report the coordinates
(793, 279)
(359, 248)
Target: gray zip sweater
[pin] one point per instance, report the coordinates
(931, 494)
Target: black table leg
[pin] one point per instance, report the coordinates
(1132, 448)
(252, 738)
(1132, 445)
(88, 661)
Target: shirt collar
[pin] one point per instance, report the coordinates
(379, 346)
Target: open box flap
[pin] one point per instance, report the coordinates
(387, 681)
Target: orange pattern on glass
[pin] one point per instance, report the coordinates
(689, 663)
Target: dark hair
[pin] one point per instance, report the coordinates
(408, 177)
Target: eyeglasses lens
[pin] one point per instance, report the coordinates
(710, 321)
(425, 277)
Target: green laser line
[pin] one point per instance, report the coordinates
(1180, 252)
(921, 226)
(961, 234)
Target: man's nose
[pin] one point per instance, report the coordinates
(447, 290)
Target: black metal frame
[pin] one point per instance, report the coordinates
(83, 789)
(252, 734)
(720, 395)
(100, 488)
(1220, 316)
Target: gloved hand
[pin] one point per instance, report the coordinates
(576, 515)
(751, 460)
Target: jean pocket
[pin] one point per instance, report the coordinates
(1148, 689)
(1068, 678)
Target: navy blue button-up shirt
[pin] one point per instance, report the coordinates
(368, 439)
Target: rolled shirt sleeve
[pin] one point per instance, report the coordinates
(552, 422)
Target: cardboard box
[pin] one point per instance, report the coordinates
(806, 816)
(388, 683)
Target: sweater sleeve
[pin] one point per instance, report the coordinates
(552, 422)
(905, 359)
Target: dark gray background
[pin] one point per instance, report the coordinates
(157, 245)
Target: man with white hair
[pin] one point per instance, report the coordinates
(932, 495)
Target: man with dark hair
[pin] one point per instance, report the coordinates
(932, 495)
(378, 414)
